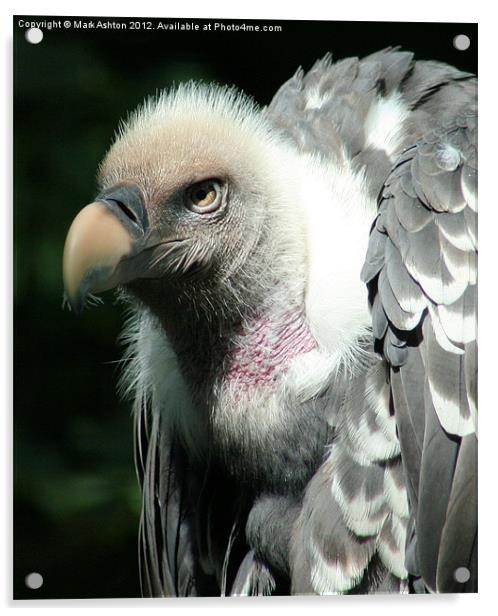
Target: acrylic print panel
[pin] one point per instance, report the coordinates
(299, 389)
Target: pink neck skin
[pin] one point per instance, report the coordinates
(267, 348)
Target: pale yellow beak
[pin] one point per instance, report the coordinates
(96, 243)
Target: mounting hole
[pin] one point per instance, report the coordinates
(462, 575)
(461, 42)
(34, 36)
(33, 581)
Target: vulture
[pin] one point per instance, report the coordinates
(301, 341)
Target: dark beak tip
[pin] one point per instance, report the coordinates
(73, 304)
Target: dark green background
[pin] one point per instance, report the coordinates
(76, 504)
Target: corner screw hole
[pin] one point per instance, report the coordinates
(34, 36)
(34, 581)
(462, 575)
(461, 42)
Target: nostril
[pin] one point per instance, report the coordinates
(126, 210)
(126, 201)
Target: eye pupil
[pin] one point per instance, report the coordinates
(204, 197)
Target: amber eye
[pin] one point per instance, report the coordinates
(204, 197)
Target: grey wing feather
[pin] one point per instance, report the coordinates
(188, 541)
(183, 544)
(349, 535)
(166, 551)
(463, 496)
(253, 578)
(424, 286)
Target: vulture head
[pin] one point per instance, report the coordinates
(188, 194)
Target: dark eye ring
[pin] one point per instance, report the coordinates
(204, 197)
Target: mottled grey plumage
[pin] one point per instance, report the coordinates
(427, 289)
(289, 441)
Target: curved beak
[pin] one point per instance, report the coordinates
(95, 244)
(102, 239)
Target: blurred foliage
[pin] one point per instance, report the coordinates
(77, 503)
